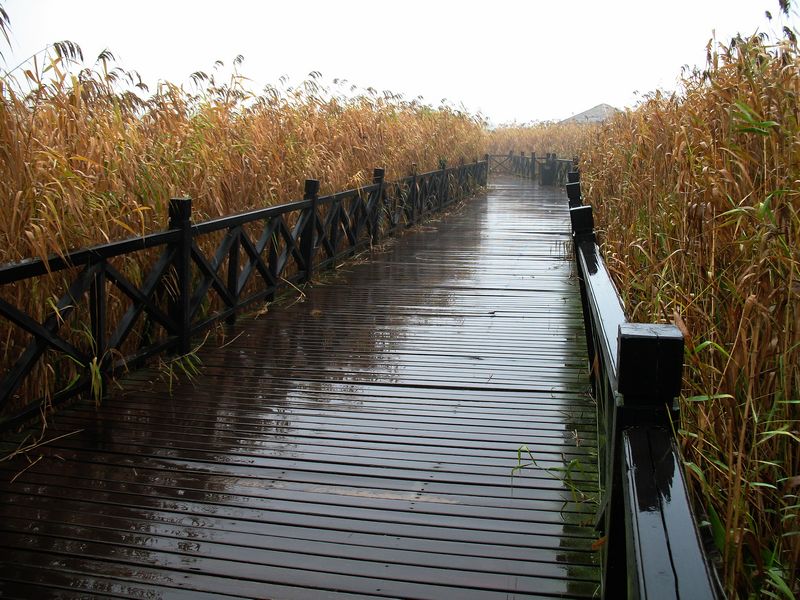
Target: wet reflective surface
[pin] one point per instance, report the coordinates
(667, 553)
(357, 443)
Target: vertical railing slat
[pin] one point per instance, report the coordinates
(180, 215)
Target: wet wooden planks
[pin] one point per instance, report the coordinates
(358, 442)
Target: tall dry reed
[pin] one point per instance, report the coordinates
(698, 198)
(564, 139)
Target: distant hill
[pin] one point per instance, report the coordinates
(596, 114)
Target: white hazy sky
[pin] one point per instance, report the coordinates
(526, 60)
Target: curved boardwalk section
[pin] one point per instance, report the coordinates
(355, 442)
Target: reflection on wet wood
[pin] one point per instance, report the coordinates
(359, 443)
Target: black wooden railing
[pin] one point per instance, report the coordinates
(652, 548)
(549, 169)
(193, 275)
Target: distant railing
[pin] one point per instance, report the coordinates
(651, 544)
(169, 286)
(549, 169)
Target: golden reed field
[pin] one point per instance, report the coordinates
(696, 196)
(564, 139)
(88, 160)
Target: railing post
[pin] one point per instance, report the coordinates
(377, 205)
(309, 228)
(412, 194)
(233, 273)
(272, 265)
(545, 173)
(97, 315)
(582, 225)
(97, 311)
(574, 192)
(461, 178)
(180, 218)
(443, 183)
(485, 171)
(650, 363)
(533, 165)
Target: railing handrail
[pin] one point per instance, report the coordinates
(646, 516)
(32, 267)
(352, 219)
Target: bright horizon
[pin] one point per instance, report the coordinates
(509, 61)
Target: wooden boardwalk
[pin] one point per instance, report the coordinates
(358, 443)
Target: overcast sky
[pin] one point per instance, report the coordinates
(522, 61)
